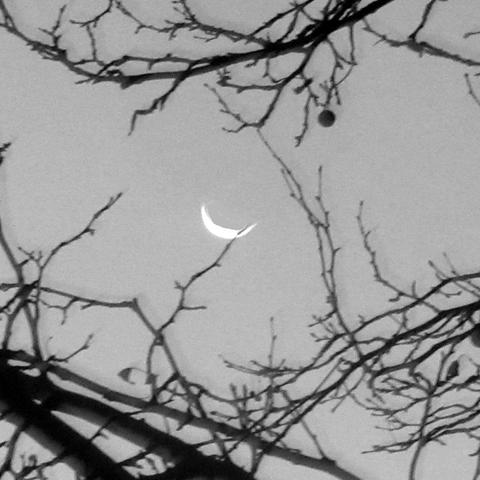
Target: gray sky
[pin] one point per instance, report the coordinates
(405, 142)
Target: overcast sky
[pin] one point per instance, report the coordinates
(405, 142)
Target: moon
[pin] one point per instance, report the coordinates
(223, 232)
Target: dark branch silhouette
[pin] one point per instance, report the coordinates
(263, 63)
(402, 364)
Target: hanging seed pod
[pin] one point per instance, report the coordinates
(475, 336)
(326, 118)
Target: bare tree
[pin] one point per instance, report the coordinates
(400, 364)
(304, 49)
(34, 390)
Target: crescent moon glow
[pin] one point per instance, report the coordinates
(223, 232)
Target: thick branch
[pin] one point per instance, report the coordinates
(71, 445)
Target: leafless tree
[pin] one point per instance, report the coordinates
(305, 50)
(400, 364)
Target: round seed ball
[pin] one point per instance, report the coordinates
(475, 336)
(326, 118)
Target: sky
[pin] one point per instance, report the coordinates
(405, 142)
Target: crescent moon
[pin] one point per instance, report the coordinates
(223, 232)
